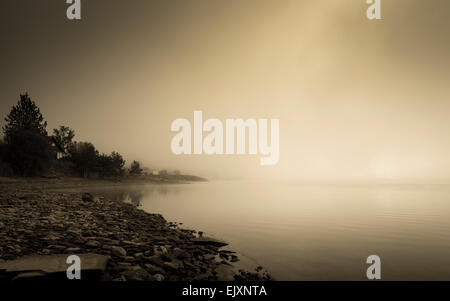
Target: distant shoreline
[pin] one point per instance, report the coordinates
(77, 182)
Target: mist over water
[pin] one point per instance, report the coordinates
(313, 232)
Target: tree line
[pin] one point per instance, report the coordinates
(28, 150)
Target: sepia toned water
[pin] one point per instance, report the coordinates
(313, 232)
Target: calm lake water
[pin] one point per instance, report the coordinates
(312, 232)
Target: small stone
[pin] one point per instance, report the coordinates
(153, 269)
(73, 250)
(57, 247)
(205, 241)
(129, 259)
(178, 253)
(158, 277)
(93, 244)
(122, 266)
(155, 259)
(138, 274)
(174, 265)
(234, 258)
(160, 250)
(118, 251)
(106, 247)
(209, 256)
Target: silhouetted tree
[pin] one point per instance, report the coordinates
(5, 167)
(135, 168)
(25, 116)
(3, 150)
(28, 147)
(29, 153)
(117, 164)
(64, 137)
(84, 157)
(110, 166)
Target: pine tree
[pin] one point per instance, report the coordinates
(25, 116)
(28, 148)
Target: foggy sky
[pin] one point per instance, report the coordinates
(356, 99)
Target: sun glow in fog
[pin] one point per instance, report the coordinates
(400, 167)
(383, 168)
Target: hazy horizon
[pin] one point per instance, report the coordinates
(358, 100)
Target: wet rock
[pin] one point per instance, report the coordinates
(160, 250)
(208, 241)
(73, 250)
(137, 274)
(28, 276)
(234, 258)
(225, 273)
(209, 256)
(57, 247)
(260, 275)
(157, 260)
(153, 269)
(129, 259)
(118, 251)
(93, 244)
(180, 254)
(224, 256)
(174, 265)
(122, 266)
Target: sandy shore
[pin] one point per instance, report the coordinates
(34, 220)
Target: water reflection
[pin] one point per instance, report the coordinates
(133, 194)
(311, 232)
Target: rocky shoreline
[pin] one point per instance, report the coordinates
(139, 246)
